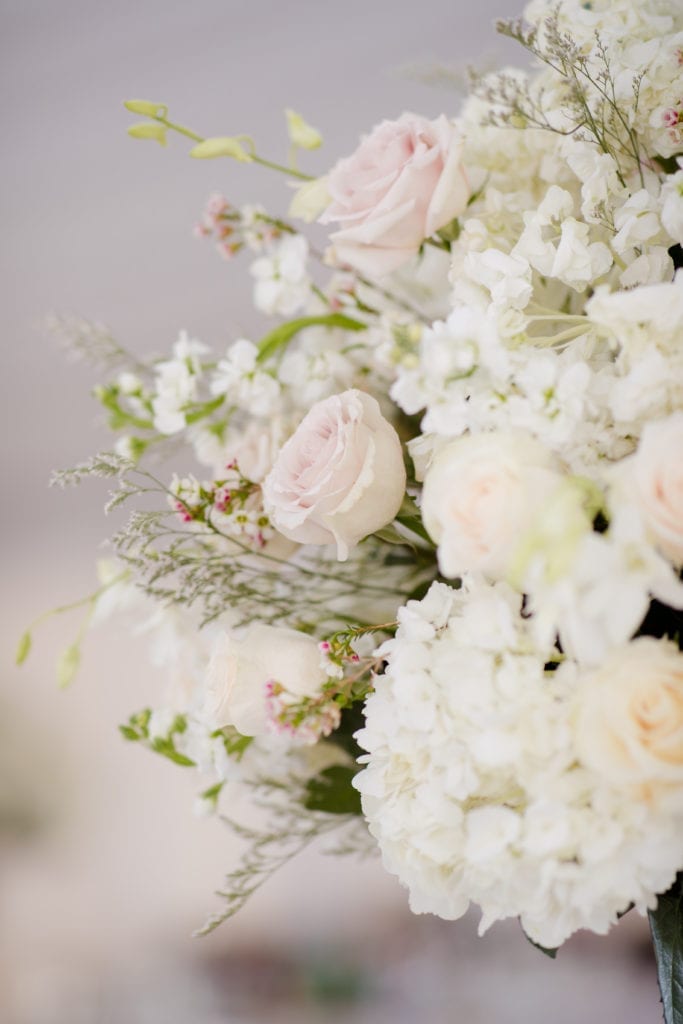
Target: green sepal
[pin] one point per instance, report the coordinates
(331, 791)
(282, 335)
(166, 747)
(666, 925)
(409, 516)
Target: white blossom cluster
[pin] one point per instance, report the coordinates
(478, 381)
(477, 786)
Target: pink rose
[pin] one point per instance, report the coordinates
(340, 476)
(404, 182)
(657, 469)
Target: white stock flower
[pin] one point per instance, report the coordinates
(282, 285)
(239, 377)
(651, 314)
(636, 221)
(317, 367)
(176, 384)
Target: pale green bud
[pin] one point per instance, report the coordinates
(310, 199)
(68, 664)
(145, 108)
(301, 133)
(148, 130)
(221, 145)
(23, 648)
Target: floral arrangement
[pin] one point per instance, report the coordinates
(427, 582)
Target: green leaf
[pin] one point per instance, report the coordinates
(552, 953)
(23, 648)
(166, 747)
(205, 409)
(282, 335)
(666, 925)
(129, 734)
(390, 535)
(331, 791)
(352, 719)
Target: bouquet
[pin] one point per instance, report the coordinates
(415, 581)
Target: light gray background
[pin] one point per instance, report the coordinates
(104, 870)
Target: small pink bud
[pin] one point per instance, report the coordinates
(216, 205)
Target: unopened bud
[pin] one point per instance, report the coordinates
(145, 108)
(301, 132)
(221, 145)
(148, 130)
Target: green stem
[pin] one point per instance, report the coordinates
(182, 130)
(281, 167)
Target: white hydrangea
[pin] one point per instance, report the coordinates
(473, 787)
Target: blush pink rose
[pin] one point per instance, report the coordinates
(658, 476)
(404, 182)
(340, 476)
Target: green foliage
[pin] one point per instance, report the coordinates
(281, 336)
(552, 953)
(136, 730)
(666, 925)
(352, 720)
(331, 791)
(409, 516)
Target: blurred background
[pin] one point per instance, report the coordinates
(104, 870)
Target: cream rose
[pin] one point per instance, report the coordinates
(657, 472)
(404, 182)
(480, 494)
(629, 724)
(339, 477)
(240, 668)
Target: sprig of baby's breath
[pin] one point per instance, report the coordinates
(589, 101)
(287, 832)
(91, 342)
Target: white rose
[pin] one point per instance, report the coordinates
(629, 724)
(480, 494)
(657, 472)
(239, 669)
(339, 477)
